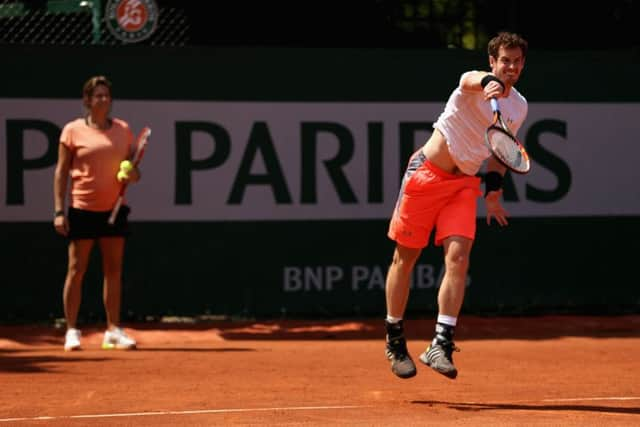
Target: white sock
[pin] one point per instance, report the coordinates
(392, 320)
(447, 320)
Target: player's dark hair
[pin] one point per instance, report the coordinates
(507, 40)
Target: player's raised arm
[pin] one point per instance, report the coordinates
(483, 81)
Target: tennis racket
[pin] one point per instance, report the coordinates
(504, 145)
(137, 156)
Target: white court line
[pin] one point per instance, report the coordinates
(292, 408)
(192, 412)
(579, 399)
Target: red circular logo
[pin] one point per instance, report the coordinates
(131, 20)
(132, 15)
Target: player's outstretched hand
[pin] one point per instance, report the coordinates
(495, 209)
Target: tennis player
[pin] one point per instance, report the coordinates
(440, 190)
(90, 151)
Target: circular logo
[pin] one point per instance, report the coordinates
(131, 20)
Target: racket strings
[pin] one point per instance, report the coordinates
(504, 147)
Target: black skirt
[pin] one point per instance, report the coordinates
(91, 225)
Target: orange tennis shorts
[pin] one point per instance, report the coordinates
(430, 197)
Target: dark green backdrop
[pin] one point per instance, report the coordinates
(235, 268)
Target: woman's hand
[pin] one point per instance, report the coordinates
(61, 225)
(128, 175)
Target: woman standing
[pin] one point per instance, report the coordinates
(90, 152)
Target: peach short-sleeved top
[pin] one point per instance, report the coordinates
(96, 157)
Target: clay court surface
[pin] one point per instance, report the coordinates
(529, 371)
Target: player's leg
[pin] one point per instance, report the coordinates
(410, 227)
(439, 354)
(79, 251)
(456, 231)
(112, 249)
(397, 295)
(456, 260)
(399, 279)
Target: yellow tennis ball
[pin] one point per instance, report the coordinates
(122, 175)
(126, 166)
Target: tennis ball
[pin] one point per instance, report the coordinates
(122, 175)
(126, 166)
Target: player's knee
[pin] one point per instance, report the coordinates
(457, 263)
(405, 258)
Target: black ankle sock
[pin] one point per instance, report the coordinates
(394, 330)
(444, 333)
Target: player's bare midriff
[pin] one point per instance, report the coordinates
(437, 151)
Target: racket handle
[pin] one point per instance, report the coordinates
(494, 104)
(143, 140)
(114, 211)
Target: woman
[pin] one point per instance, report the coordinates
(90, 152)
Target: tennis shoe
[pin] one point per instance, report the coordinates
(396, 351)
(117, 339)
(72, 340)
(439, 357)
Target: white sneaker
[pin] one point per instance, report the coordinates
(117, 339)
(72, 339)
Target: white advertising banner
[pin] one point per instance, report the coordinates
(228, 161)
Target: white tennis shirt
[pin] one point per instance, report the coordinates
(465, 119)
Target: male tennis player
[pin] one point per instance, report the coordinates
(440, 189)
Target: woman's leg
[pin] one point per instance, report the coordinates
(79, 252)
(112, 249)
